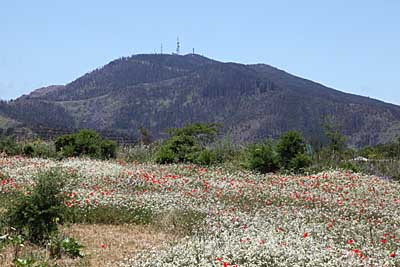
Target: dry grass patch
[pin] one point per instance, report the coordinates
(40, 255)
(105, 245)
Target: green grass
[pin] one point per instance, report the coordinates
(109, 215)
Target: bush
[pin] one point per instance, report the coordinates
(9, 145)
(39, 149)
(36, 215)
(165, 155)
(299, 163)
(85, 143)
(186, 144)
(183, 148)
(108, 149)
(225, 150)
(71, 247)
(262, 158)
(350, 166)
(28, 150)
(139, 153)
(289, 147)
(206, 157)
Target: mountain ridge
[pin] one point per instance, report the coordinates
(252, 101)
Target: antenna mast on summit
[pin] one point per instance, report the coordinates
(178, 46)
(161, 49)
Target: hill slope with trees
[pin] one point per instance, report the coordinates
(158, 92)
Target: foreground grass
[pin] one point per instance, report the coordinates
(105, 245)
(214, 217)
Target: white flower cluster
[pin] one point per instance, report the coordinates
(330, 219)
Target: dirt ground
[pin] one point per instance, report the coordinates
(105, 245)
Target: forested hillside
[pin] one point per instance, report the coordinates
(157, 92)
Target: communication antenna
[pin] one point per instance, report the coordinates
(193, 51)
(178, 46)
(161, 49)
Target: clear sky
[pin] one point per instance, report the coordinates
(351, 45)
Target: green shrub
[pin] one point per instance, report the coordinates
(299, 163)
(108, 149)
(39, 149)
(186, 144)
(206, 157)
(225, 150)
(85, 143)
(28, 150)
(9, 145)
(26, 262)
(36, 215)
(140, 153)
(262, 158)
(66, 145)
(290, 145)
(165, 155)
(71, 247)
(350, 166)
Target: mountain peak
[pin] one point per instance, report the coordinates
(157, 91)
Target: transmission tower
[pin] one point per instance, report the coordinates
(178, 46)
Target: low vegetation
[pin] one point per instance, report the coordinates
(207, 216)
(85, 143)
(198, 201)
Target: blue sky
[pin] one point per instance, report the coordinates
(353, 46)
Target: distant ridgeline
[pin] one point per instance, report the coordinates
(157, 92)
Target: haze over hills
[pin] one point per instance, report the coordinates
(252, 102)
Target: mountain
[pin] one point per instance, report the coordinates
(252, 102)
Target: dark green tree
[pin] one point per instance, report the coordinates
(187, 143)
(292, 147)
(262, 158)
(203, 133)
(336, 139)
(145, 136)
(85, 143)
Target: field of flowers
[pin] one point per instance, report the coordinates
(330, 219)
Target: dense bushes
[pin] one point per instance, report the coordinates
(85, 143)
(289, 147)
(138, 153)
(39, 149)
(189, 144)
(198, 144)
(288, 154)
(262, 158)
(382, 151)
(9, 145)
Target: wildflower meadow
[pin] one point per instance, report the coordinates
(236, 218)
